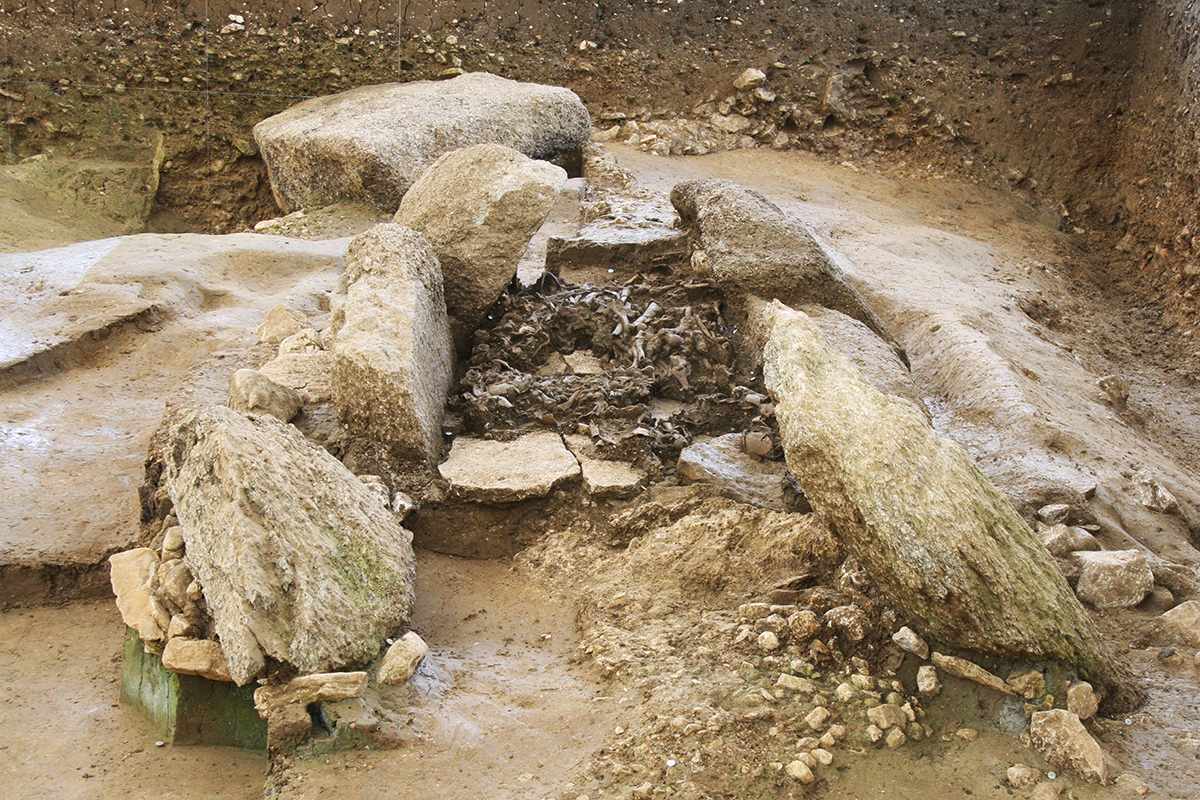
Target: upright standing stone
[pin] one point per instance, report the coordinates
(392, 358)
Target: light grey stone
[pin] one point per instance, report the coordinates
(479, 207)
(392, 356)
(1113, 578)
(1061, 738)
(372, 143)
(402, 659)
(722, 462)
(280, 323)
(490, 471)
(298, 560)
(251, 392)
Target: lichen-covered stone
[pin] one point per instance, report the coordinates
(298, 560)
(912, 506)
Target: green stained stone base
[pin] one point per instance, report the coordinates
(187, 709)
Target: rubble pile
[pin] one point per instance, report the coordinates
(646, 362)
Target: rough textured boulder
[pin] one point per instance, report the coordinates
(1185, 620)
(298, 560)
(372, 143)
(1061, 738)
(131, 574)
(1113, 578)
(251, 392)
(723, 462)
(752, 247)
(392, 357)
(934, 534)
(479, 207)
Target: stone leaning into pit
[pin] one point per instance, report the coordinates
(479, 207)
(918, 514)
(753, 248)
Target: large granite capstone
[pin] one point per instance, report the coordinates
(371, 144)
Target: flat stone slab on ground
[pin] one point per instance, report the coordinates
(722, 462)
(488, 471)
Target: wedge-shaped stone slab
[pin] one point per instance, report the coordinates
(372, 143)
(392, 356)
(936, 536)
(298, 560)
(487, 471)
(479, 207)
(753, 248)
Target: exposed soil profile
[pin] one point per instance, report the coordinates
(1011, 188)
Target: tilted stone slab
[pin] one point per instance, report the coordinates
(934, 534)
(479, 207)
(298, 560)
(372, 143)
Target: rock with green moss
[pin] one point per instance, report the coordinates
(948, 549)
(299, 562)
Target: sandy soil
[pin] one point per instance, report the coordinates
(502, 708)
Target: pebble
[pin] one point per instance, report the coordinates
(817, 717)
(907, 639)
(967, 734)
(1046, 791)
(1054, 513)
(1081, 700)
(800, 771)
(886, 716)
(844, 693)
(823, 757)
(1022, 776)
(832, 736)
(795, 684)
(895, 738)
(873, 733)
(1029, 683)
(768, 642)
